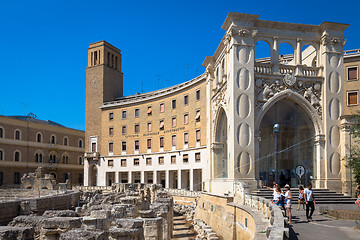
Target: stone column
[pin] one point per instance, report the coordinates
(191, 176)
(331, 50)
(167, 179)
(319, 146)
(130, 177)
(142, 176)
(155, 177)
(179, 179)
(298, 58)
(348, 185)
(87, 172)
(275, 55)
(116, 177)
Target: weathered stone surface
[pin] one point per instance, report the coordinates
(23, 233)
(60, 213)
(128, 223)
(80, 234)
(96, 223)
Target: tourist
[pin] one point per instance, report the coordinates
(287, 201)
(275, 185)
(309, 201)
(301, 198)
(278, 198)
(357, 190)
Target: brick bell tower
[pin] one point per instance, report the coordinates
(104, 82)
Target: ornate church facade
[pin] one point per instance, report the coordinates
(242, 99)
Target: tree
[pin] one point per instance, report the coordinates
(353, 158)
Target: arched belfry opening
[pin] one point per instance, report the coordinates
(295, 144)
(220, 146)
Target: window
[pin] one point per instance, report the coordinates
(186, 138)
(123, 162)
(149, 111)
(161, 160)
(1, 155)
(111, 147)
(111, 131)
(162, 107)
(173, 140)
(80, 143)
(186, 118)
(17, 135)
(137, 128)
(173, 104)
(197, 135)
(185, 158)
(352, 73)
(17, 156)
(148, 161)
(149, 127)
(65, 141)
(197, 157)
(137, 145)
(186, 100)
(352, 98)
(65, 160)
(123, 146)
(197, 116)
(53, 139)
(1, 132)
(173, 122)
(52, 158)
(161, 142)
(111, 116)
(123, 130)
(149, 143)
(123, 114)
(137, 112)
(173, 159)
(38, 157)
(161, 125)
(39, 138)
(93, 146)
(16, 178)
(197, 95)
(136, 162)
(110, 163)
(80, 178)
(80, 161)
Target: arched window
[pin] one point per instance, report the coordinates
(17, 156)
(38, 157)
(65, 159)
(17, 135)
(80, 143)
(39, 138)
(53, 139)
(80, 161)
(65, 141)
(2, 132)
(1, 155)
(52, 158)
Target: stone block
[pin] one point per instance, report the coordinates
(21, 233)
(153, 228)
(92, 223)
(80, 234)
(128, 223)
(100, 214)
(60, 213)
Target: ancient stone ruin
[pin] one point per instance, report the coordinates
(130, 211)
(43, 179)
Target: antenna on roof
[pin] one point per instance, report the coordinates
(26, 105)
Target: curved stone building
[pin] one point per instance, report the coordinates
(217, 128)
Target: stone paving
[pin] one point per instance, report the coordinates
(182, 230)
(322, 227)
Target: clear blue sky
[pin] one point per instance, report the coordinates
(44, 44)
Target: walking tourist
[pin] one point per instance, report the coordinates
(301, 199)
(357, 202)
(309, 201)
(287, 201)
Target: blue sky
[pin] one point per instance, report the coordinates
(44, 45)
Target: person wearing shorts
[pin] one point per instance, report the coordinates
(287, 201)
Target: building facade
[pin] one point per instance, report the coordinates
(351, 81)
(27, 143)
(131, 139)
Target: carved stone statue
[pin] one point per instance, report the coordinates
(266, 93)
(311, 97)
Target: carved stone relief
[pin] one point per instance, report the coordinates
(267, 88)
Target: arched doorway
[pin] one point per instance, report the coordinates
(220, 149)
(295, 144)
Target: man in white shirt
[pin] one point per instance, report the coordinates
(309, 201)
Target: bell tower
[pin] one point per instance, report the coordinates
(104, 82)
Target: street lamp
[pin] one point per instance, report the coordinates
(276, 130)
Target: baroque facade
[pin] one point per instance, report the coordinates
(229, 131)
(27, 143)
